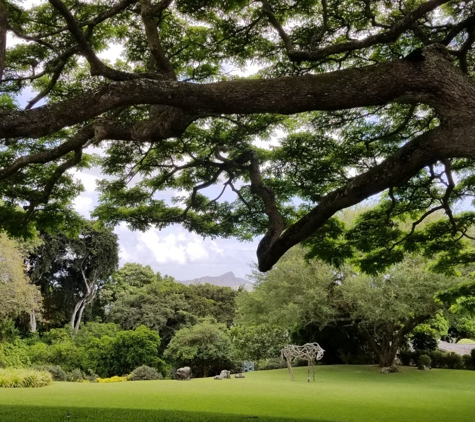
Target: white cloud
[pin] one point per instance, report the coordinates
(84, 205)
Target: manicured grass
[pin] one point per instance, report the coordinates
(340, 393)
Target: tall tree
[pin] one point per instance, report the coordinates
(17, 294)
(380, 95)
(71, 271)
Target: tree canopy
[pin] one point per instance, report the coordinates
(364, 97)
(383, 308)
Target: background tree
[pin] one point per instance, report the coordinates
(17, 294)
(70, 271)
(384, 308)
(257, 342)
(205, 347)
(167, 306)
(373, 91)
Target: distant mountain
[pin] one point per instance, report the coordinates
(224, 280)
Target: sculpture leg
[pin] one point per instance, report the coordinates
(291, 373)
(308, 371)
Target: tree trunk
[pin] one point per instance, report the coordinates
(33, 321)
(3, 36)
(74, 317)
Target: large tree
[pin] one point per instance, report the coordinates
(384, 308)
(380, 95)
(70, 271)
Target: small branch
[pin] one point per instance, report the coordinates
(384, 37)
(77, 141)
(151, 31)
(97, 66)
(457, 29)
(448, 191)
(25, 37)
(267, 10)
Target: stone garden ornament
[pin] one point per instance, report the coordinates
(311, 352)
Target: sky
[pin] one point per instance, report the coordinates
(173, 251)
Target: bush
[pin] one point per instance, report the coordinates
(274, 363)
(423, 362)
(74, 376)
(145, 373)
(112, 379)
(467, 362)
(438, 359)
(466, 341)
(17, 378)
(205, 347)
(407, 357)
(453, 361)
(56, 371)
(14, 354)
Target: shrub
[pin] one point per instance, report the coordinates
(466, 341)
(453, 361)
(56, 371)
(112, 379)
(467, 362)
(14, 354)
(75, 375)
(273, 363)
(17, 378)
(423, 362)
(205, 347)
(407, 357)
(438, 359)
(143, 373)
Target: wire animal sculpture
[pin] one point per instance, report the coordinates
(311, 352)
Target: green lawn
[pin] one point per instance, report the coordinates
(340, 393)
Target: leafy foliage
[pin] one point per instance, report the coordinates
(384, 308)
(341, 107)
(17, 378)
(205, 347)
(143, 373)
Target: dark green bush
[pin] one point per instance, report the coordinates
(407, 357)
(143, 373)
(438, 359)
(454, 361)
(423, 362)
(467, 362)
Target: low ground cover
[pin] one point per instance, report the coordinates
(340, 393)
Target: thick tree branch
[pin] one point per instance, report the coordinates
(276, 223)
(153, 38)
(77, 141)
(429, 148)
(403, 80)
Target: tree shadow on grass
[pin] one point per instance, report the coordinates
(92, 414)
